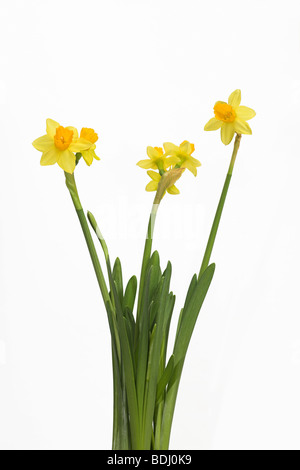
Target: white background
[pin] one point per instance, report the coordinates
(142, 73)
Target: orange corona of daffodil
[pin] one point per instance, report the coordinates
(183, 154)
(91, 136)
(153, 185)
(59, 144)
(157, 160)
(231, 118)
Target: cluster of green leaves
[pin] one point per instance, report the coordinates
(145, 381)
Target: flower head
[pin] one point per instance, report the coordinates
(183, 154)
(59, 145)
(231, 118)
(157, 160)
(91, 136)
(170, 165)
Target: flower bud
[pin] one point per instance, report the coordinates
(168, 179)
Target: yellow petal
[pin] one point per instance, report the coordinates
(213, 124)
(194, 161)
(171, 161)
(235, 98)
(227, 132)
(51, 127)
(146, 164)
(74, 130)
(43, 144)
(152, 186)
(173, 190)
(79, 145)
(154, 175)
(245, 113)
(152, 153)
(242, 127)
(185, 147)
(93, 154)
(88, 156)
(171, 148)
(66, 161)
(189, 166)
(50, 157)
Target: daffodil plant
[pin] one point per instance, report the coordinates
(145, 380)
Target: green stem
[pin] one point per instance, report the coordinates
(215, 225)
(93, 255)
(71, 185)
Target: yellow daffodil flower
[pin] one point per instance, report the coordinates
(183, 155)
(91, 136)
(153, 185)
(157, 160)
(59, 145)
(231, 118)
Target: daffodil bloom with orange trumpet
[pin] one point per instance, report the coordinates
(60, 144)
(231, 118)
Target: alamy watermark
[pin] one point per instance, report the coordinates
(181, 222)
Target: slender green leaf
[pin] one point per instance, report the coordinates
(191, 289)
(163, 382)
(121, 433)
(153, 266)
(188, 320)
(179, 323)
(143, 337)
(130, 333)
(154, 260)
(130, 294)
(191, 311)
(167, 320)
(129, 316)
(127, 360)
(151, 342)
(117, 276)
(153, 366)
